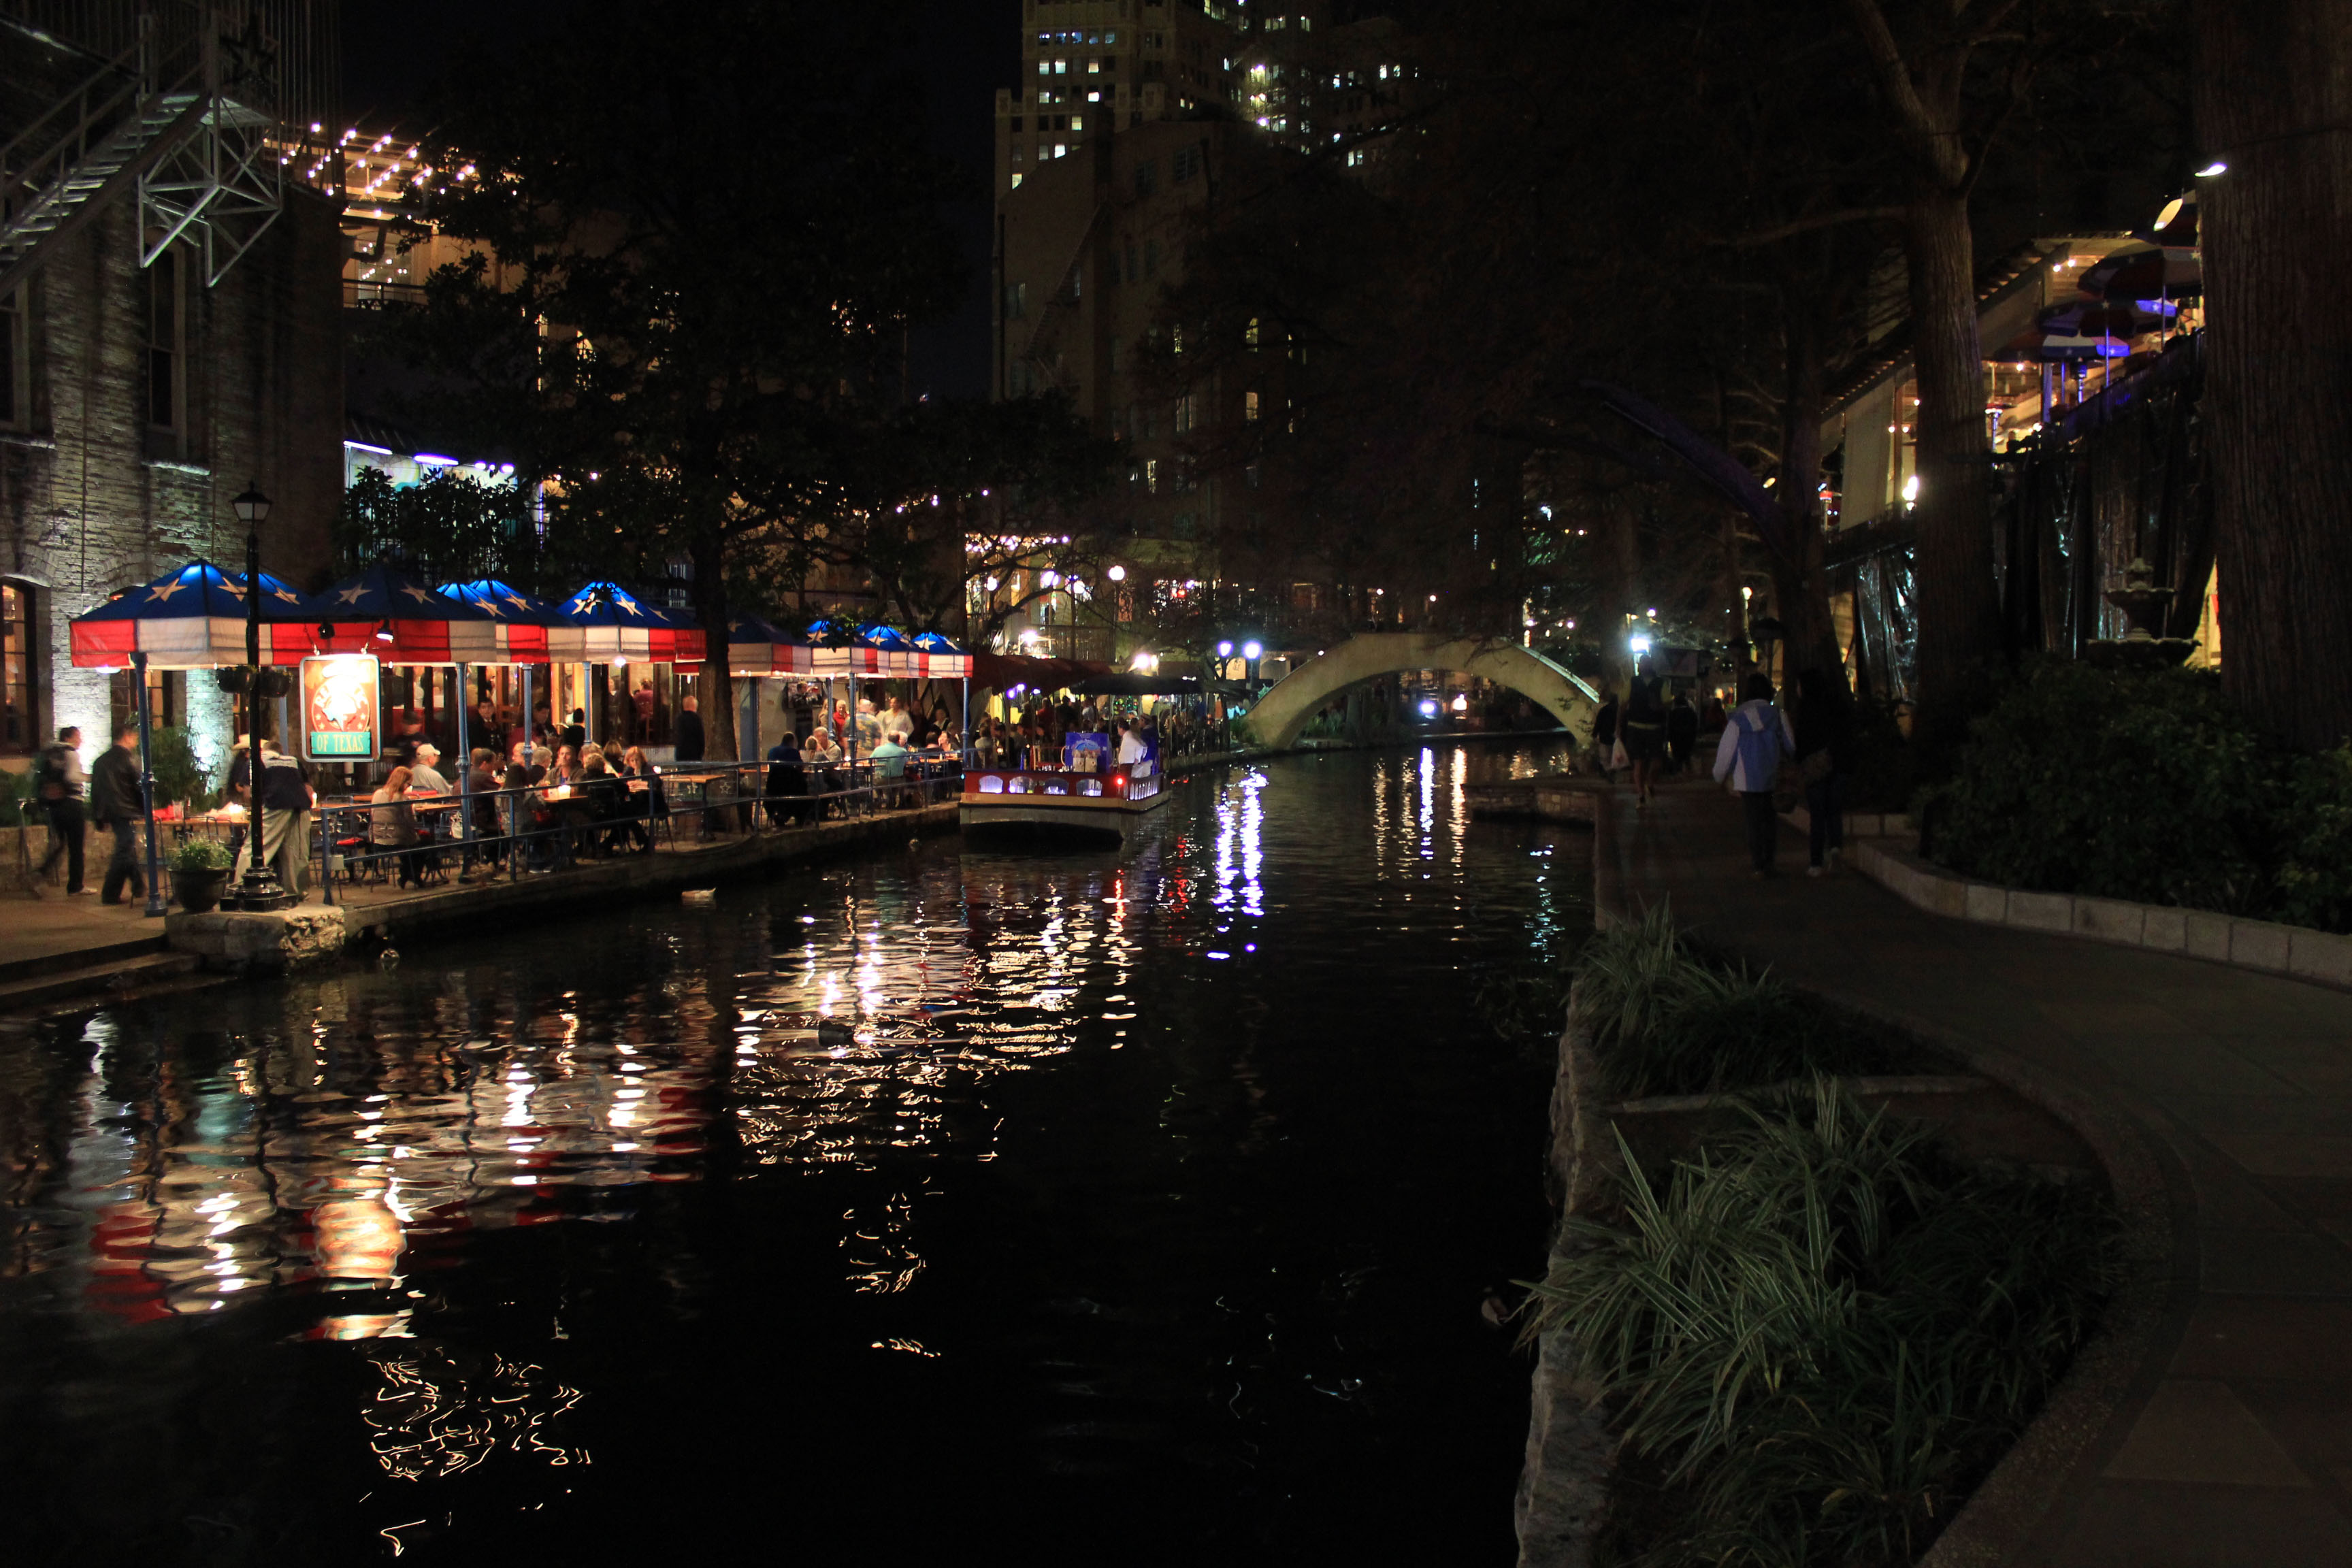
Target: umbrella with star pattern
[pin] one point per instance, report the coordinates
(402, 621)
(193, 617)
(530, 631)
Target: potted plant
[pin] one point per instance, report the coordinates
(200, 868)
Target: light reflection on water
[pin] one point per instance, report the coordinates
(651, 1106)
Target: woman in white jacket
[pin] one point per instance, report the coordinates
(1756, 737)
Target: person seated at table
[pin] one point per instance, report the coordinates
(890, 763)
(787, 784)
(566, 769)
(543, 763)
(391, 825)
(489, 826)
(640, 791)
(599, 802)
(425, 776)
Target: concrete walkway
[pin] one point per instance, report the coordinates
(2219, 1432)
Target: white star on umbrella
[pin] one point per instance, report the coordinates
(422, 596)
(289, 594)
(490, 607)
(517, 600)
(163, 595)
(352, 595)
(579, 606)
(627, 604)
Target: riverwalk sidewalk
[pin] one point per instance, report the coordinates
(2222, 1435)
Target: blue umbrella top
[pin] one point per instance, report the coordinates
(385, 594)
(503, 602)
(889, 639)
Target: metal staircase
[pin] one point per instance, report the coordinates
(165, 122)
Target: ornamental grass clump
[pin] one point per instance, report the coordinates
(1665, 1021)
(1817, 1334)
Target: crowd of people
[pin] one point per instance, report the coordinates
(1767, 757)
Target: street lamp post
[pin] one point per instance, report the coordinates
(260, 890)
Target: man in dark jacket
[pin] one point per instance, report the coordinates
(284, 799)
(689, 732)
(61, 784)
(118, 803)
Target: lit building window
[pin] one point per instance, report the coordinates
(1249, 407)
(1249, 333)
(1016, 179)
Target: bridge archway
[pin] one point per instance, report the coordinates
(1287, 707)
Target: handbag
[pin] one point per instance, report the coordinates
(1617, 757)
(1816, 767)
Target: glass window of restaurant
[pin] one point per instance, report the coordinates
(20, 674)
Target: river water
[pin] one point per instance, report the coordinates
(1128, 1205)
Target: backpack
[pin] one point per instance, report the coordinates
(49, 779)
(1759, 748)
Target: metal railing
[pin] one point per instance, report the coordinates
(550, 829)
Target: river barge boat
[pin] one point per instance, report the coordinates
(1062, 802)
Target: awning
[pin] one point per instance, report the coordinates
(402, 621)
(616, 626)
(1003, 671)
(756, 646)
(530, 631)
(941, 658)
(195, 618)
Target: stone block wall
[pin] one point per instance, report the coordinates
(93, 499)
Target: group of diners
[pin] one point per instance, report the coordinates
(556, 803)
(562, 802)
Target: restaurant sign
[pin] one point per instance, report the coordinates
(339, 708)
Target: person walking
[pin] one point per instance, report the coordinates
(62, 785)
(1748, 758)
(1604, 729)
(1682, 733)
(1644, 726)
(120, 805)
(1824, 741)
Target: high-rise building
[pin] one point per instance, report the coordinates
(1106, 154)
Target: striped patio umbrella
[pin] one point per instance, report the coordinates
(757, 647)
(530, 631)
(941, 658)
(900, 656)
(195, 618)
(617, 627)
(401, 621)
(856, 658)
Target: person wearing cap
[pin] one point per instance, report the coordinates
(284, 817)
(424, 776)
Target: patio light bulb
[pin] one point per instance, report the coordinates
(2211, 169)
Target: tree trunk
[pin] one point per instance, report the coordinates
(717, 676)
(1959, 603)
(2273, 94)
(1802, 585)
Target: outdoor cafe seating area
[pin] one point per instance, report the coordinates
(352, 642)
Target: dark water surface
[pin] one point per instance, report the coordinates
(1144, 1217)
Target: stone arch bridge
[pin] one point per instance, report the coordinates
(1287, 707)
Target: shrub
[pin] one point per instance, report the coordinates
(1885, 765)
(201, 854)
(18, 802)
(2126, 785)
(179, 778)
(1820, 1332)
(1664, 1021)
(2315, 873)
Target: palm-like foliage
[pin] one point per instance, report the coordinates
(1664, 1021)
(1821, 1331)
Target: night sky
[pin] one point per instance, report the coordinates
(967, 49)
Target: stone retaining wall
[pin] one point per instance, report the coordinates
(2266, 945)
